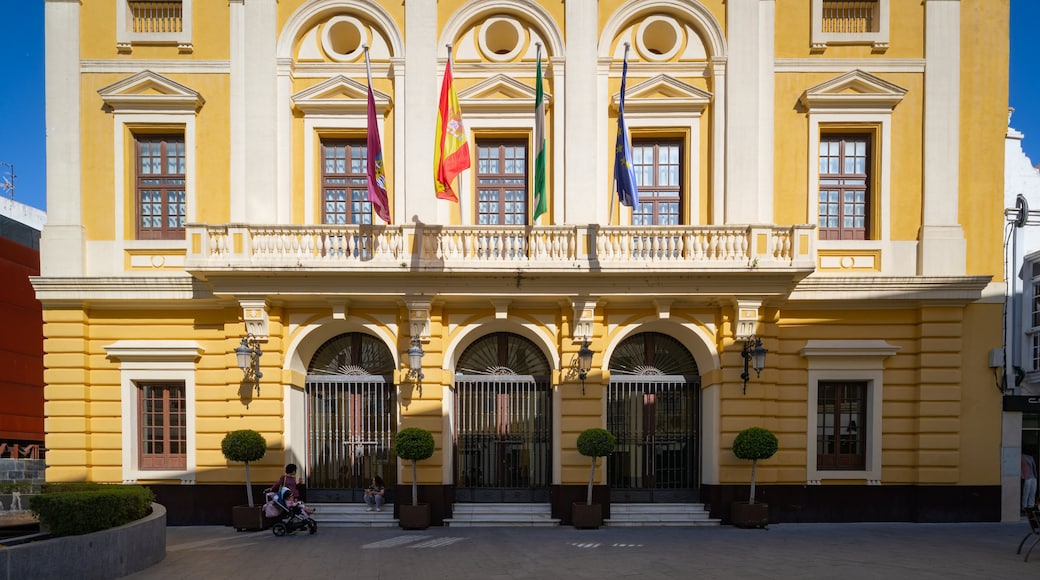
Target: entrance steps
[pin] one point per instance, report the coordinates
(659, 514)
(487, 515)
(353, 515)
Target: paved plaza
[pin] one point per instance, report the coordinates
(847, 551)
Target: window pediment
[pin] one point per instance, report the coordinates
(340, 95)
(500, 93)
(147, 91)
(663, 94)
(854, 90)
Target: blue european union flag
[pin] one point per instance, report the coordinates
(624, 174)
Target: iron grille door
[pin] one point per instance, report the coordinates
(502, 439)
(654, 419)
(350, 424)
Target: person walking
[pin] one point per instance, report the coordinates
(1029, 476)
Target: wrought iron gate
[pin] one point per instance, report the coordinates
(502, 439)
(654, 419)
(350, 422)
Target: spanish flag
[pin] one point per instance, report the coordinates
(451, 150)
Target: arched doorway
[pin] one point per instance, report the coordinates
(652, 410)
(503, 420)
(350, 417)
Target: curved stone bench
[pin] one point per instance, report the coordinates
(106, 554)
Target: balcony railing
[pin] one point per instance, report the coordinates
(322, 247)
(156, 16)
(850, 16)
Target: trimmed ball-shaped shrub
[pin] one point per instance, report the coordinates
(414, 444)
(243, 445)
(596, 442)
(755, 443)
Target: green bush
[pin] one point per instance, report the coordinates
(414, 444)
(243, 445)
(7, 487)
(596, 442)
(92, 508)
(755, 443)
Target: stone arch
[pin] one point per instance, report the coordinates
(471, 11)
(704, 20)
(692, 336)
(477, 329)
(309, 338)
(310, 12)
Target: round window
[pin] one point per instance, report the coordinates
(659, 38)
(343, 38)
(501, 39)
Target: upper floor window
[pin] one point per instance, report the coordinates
(850, 22)
(658, 169)
(153, 22)
(344, 182)
(844, 206)
(162, 426)
(160, 186)
(502, 182)
(1033, 332)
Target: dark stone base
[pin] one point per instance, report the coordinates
(862, 503)
(245, 518)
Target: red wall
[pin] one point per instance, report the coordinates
(21, 346)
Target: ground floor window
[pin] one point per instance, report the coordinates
(162, 426)
(841, 410)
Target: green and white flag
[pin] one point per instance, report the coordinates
(539, 143)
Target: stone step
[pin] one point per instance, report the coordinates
(659, 514)
(352, 515)
(501, 515)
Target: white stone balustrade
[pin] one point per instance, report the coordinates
(728, 247)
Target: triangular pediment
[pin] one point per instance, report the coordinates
(149, 91)
(663, 93)
(500, 93)
(855, 89)
(339, 94)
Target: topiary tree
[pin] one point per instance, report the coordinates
(244, 445)
(595, 443)
(754, 443)
(414, 444)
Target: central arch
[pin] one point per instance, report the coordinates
(503, 421)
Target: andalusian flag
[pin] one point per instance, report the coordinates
(539, 143)
(451, 150)
(376, 173)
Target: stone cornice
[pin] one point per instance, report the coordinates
(869, 289)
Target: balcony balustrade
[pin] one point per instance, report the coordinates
(425, 247)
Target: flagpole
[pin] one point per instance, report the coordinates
(538, 63)
(613, 194)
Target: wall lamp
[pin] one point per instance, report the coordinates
(248, 355)
(584, 362)
(415, 354)
(755, 354)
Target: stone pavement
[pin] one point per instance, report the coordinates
(846, 551)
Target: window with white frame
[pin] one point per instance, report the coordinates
(850, 22)
(153, 22)
(157, 398)
(1033, 330)
(846, 390)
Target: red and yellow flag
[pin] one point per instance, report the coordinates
(451, 150)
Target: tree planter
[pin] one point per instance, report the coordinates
(586, 517)
(745, 515)
(244, 517)
(414, 517)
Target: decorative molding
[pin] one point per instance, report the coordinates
(584, 317)
(254, 315)
(747, 319)
(418, 318)
(662, 93)
(500, 93)
(87, 66)
(155, 351)
(340, 95)
(147, 91)
(501, 309)
(855, 90)
(843, 65)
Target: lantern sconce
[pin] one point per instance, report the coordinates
(415, 355)
(248, 355)
(755, 354)
(583, 364)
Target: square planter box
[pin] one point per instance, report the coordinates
(586, 517)
(244, 517)
(745, 515)
(414, 517)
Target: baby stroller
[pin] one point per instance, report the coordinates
(291, 518)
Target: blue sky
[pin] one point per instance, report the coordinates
(22, 104)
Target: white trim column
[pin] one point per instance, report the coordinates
(260, 104)
(62, 239)
(581, 135)
(718, 147)
(237, 110)
(421, 91)
(766, 110)
(943, 249)
(745, 138)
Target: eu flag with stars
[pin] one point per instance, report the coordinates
(624, 174)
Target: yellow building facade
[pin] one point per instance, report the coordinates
(815, 177)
